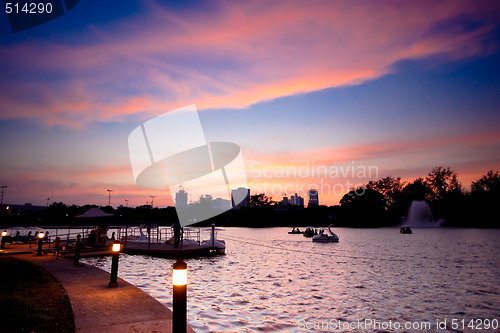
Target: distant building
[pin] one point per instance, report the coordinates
(27, 207)
(313, 198)
(240, 197)
(297, 200)
(221, 205)
(181, 199)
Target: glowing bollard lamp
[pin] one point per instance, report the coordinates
(40, 241)
(179, 281)
(4, 233)
(113, 280)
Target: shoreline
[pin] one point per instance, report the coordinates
(99, 308)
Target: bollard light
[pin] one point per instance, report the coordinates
(179, 308)
(40, 242)
(113, 279)
(116, 247)
(4, 233)
(179, 275)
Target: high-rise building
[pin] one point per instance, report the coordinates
(297, 200)
(313, 198)
(240, 197)
(221, 205)
(181, 199)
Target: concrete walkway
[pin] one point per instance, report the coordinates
(98, 308)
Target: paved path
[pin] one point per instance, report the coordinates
(98, 308)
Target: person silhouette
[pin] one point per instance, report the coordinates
(177, 233)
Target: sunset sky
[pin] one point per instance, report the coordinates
(326, 94)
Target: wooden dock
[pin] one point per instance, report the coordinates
(169, 251)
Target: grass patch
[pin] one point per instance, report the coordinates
(32, 300)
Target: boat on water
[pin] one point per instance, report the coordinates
(323, 237)
(405, 230)
(160, 242)
(310, 232)
(295, 231)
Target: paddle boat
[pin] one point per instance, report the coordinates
(323, 237)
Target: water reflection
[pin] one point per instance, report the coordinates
(272, 281)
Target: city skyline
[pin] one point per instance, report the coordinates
(329, 95)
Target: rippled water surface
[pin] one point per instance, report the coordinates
(271, 281)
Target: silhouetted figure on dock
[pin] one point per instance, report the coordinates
(177, 233)
(78, 247)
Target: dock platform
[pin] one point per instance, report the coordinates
(169, 251)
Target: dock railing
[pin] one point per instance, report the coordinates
(155, 235)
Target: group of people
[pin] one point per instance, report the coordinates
(24, 238)
(99, 236)
(310, 232)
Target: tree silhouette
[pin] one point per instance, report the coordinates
(389, 187)
(261, 200)
(443, 182)
(417, 190)
(484, 198)
(363, 208)
(488, 183)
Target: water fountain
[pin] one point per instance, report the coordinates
(420, 215)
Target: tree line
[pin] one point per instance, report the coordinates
(382, 202)
(386, 201)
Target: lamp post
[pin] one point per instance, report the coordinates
(179, 281)
(113, 279)
(40, 243)
(4, 233)
(1, 200)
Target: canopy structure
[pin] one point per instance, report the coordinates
(94, 212)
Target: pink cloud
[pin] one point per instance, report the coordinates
(335, 170)
(240, 54)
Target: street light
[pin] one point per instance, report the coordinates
(40, 241)
(4, 233)
(113, 280)
(109, 197)
(179, 281)
(3, 188)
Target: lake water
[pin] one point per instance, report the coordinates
(372, 280)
